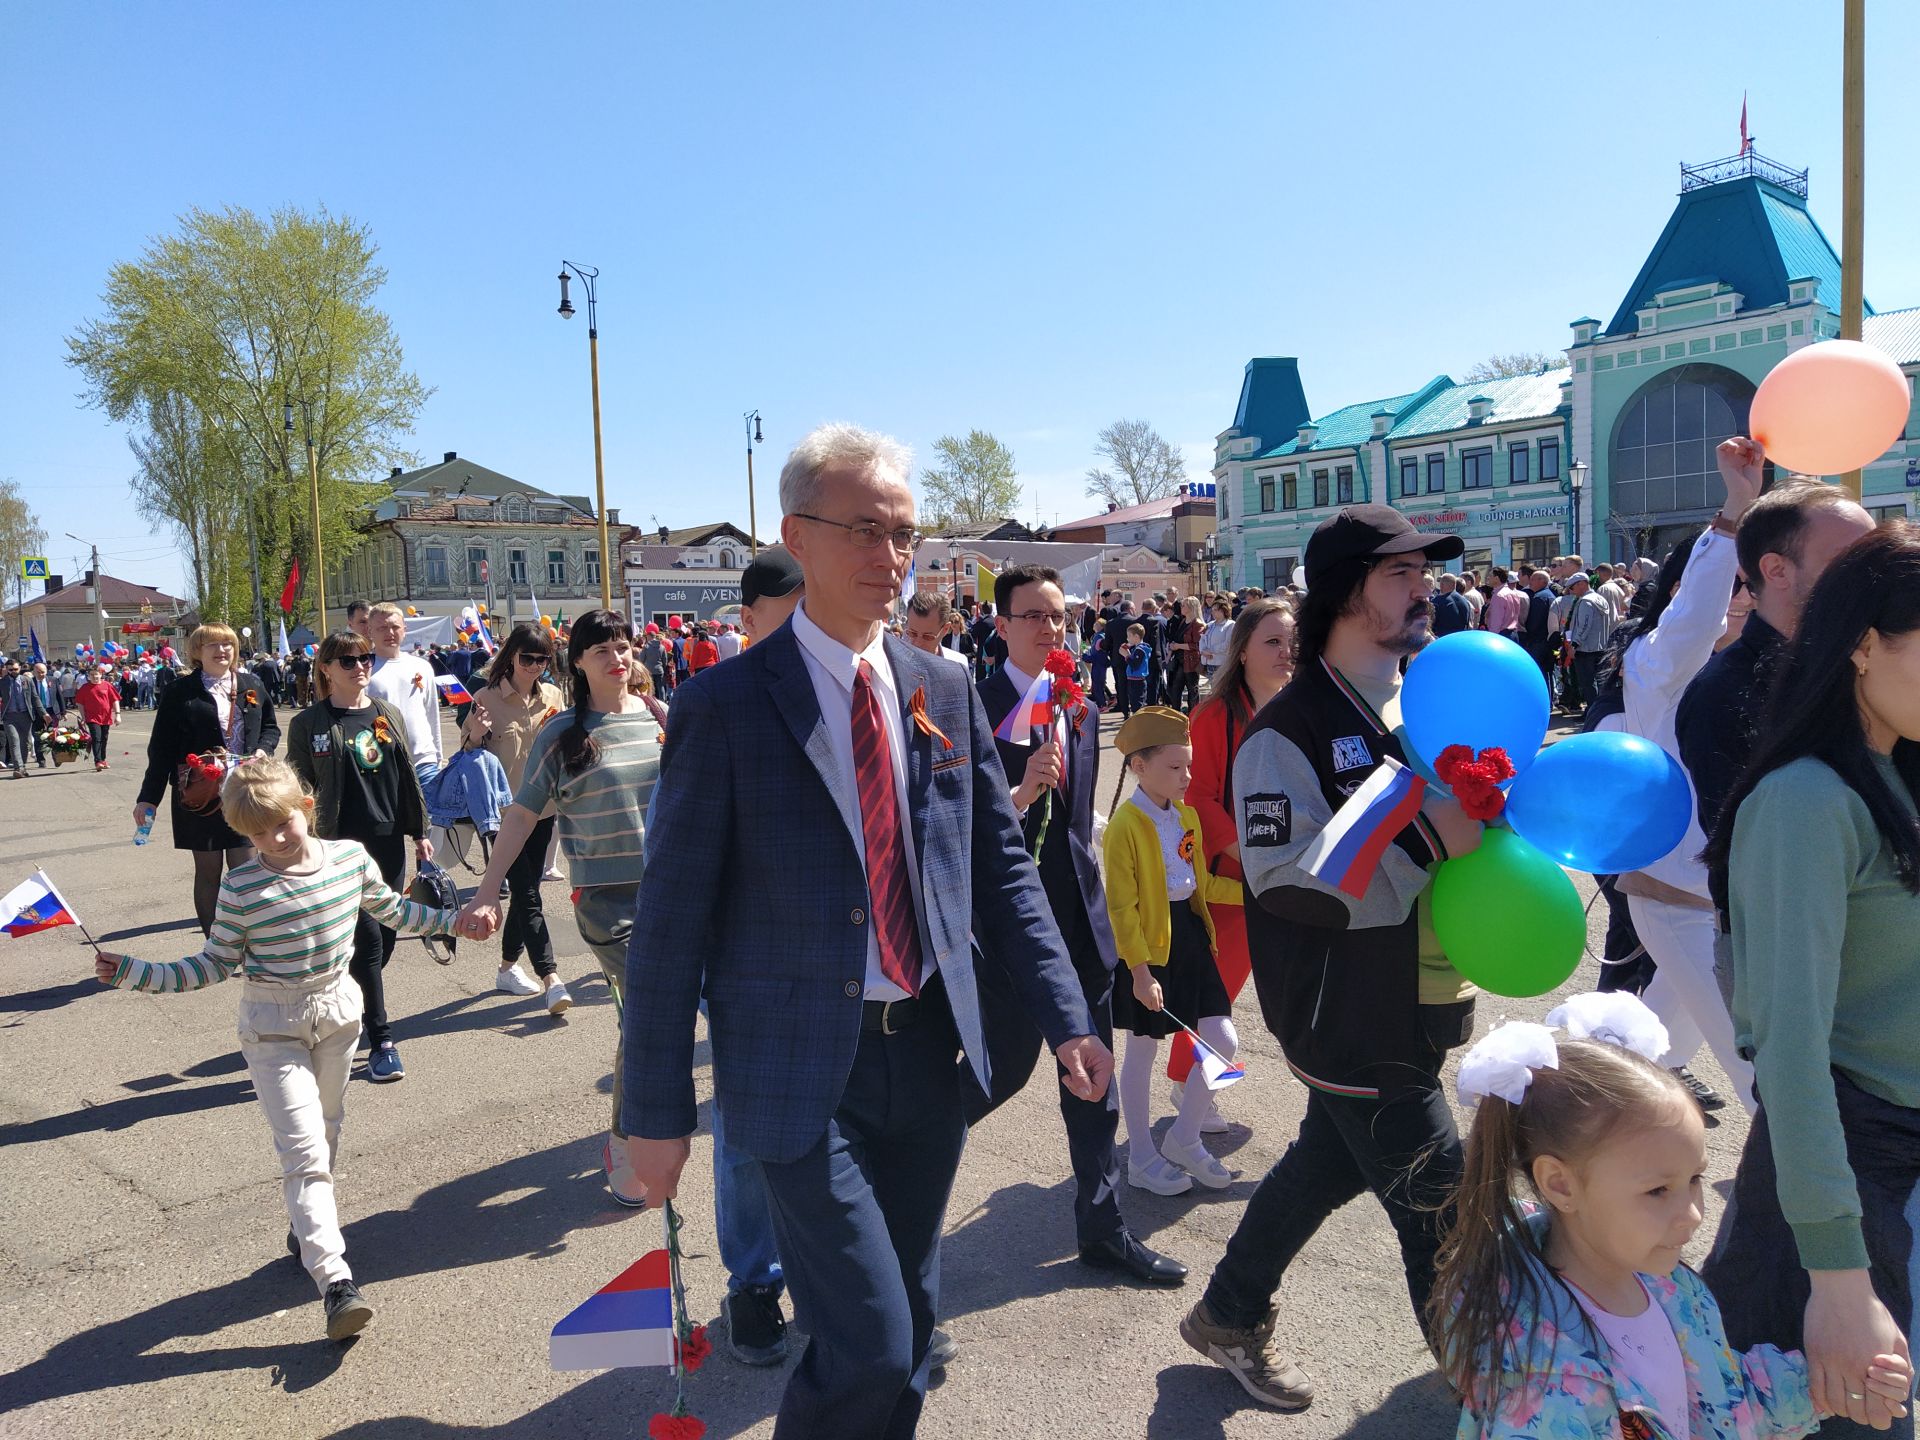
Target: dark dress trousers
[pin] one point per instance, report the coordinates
(755, 895)
(1070, 875)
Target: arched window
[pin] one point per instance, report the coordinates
(727, 560)
(1661, 463)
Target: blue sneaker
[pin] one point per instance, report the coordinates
(383, 1065)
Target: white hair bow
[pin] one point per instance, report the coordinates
(1615, 1017)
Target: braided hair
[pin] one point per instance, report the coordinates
(576, 746)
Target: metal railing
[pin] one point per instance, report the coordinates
(1751, 164)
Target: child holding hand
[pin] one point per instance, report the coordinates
(285, 922)
(1577, 1318)
(1158, 887)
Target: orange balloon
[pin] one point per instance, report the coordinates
(1830, 408)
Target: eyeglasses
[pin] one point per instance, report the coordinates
(868, 535)
(1041, 617)
(353, 662)
(532, 659)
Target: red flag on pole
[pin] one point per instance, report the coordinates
(293, 588)
(1746, 144)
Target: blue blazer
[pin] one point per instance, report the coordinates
(754, 894)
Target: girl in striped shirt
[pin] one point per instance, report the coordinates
(285, 923)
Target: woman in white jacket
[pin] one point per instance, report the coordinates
(1669, 902)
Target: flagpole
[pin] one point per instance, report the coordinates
(1853, 185)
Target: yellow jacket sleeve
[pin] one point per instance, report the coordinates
(1121, 847)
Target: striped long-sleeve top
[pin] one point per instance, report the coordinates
(277, 927)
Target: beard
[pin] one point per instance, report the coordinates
(1406, 633)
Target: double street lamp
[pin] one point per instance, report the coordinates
(754, 437)
(587, 274)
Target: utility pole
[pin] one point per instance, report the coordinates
(1853, 185)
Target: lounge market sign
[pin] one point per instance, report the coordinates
(1489, 515)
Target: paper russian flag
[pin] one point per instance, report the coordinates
(628, 1321)
(1348, 851)
(1032, 713)
(1218, 1071)
(34, 905)
(452, 690)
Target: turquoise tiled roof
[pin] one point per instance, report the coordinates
(1897, 332)
(1348, 426)
(1804, 248)
(1519, 397)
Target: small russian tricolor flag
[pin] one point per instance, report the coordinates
(628, 1321)
(1348, 851)
(452, 691)
(34, 905)
(1218, 1071)
(1034, 712)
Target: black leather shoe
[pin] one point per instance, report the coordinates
(1123, 1252)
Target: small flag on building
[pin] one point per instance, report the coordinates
(34, 905)
(452, 691)
(1348, 851)
(628, 1321)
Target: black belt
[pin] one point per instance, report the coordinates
(889, 1017)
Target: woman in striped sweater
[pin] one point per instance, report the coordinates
(285, 922)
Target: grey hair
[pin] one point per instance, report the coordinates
(826, 446)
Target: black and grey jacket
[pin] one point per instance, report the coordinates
(1338, 978)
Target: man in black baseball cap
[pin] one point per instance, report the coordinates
(770, 587)
(1363, 531)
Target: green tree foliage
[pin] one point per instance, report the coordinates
(1145, 467)
(20, 534)
(203, 341)
(974, 481)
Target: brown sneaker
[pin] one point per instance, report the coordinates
(1249, 1355)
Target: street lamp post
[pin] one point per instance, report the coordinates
(1576, 478)
(754, 437)
(588, 275)
(319, 557)
(953, 566)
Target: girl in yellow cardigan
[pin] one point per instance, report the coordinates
(1158, 887)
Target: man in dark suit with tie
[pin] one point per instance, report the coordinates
(830, 827)
(1053, 779)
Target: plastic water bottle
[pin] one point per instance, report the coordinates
(143, 830)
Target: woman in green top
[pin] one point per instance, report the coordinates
(1819, 850)
(595, 766)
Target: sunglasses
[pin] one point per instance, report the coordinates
(531, 659)
(353, 662)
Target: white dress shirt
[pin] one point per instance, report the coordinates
(832, 668)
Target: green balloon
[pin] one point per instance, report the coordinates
(1508, 917)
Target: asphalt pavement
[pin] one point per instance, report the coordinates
(145, 1290)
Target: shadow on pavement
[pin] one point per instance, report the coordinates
(156, 929)
(51, 997)
(1422, 1406)
(614, 1403)
(119, 1114)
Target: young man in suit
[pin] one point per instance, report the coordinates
(831, 827)
(1053, 783)
(1154, 624)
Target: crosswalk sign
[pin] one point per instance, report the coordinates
(33, 567)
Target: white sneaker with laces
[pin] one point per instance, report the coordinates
(1159, 1177)
(559, 1000)
(515, 981)
(1198, 1163)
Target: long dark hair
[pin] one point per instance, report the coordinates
(1643, 618)
(576, 746)
(1229, 682)
(1491, 1262)
(1813, 709)
(520, 640)
(1328, 597)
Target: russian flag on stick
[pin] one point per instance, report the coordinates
(452, 691)
(1215, 1069)
(1348, 851)
(1034, 712)
(628, 1321)
(34, 905)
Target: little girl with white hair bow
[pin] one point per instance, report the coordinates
(1576, 1317)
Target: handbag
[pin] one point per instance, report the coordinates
(196, 781)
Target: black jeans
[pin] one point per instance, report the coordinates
(372, 941)
(1586, 674)
(1402, 1146)
(1183, 683)
(1133, 693)
(99, 734)
(526, 923)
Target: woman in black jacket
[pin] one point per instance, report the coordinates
(218, 706)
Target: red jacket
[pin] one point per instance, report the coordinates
(96, 700)
(1210, 785)
(701, 654)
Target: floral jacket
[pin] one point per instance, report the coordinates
(1574, 1394)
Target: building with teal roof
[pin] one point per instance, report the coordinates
(1609, 456)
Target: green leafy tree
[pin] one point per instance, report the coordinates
(20, 535)
(1145, 466)
(974, 481)
(203, 341)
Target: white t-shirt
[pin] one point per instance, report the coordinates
(1645, 1349)
(1181, 881)
(727, 643)
(406, 683)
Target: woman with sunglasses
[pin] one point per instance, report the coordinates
(507, 713)
(352, 752)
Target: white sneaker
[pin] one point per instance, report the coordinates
(551, 875)
(1159, 1177)
(515, 981)
(558, 998)
(622, 1183)
(1211, 1123)
(1198, 1163)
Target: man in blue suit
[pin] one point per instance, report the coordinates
(1053, 784)
(831, 825)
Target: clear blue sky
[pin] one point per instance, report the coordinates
(1029, 218)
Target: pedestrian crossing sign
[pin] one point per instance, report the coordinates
(33, 567)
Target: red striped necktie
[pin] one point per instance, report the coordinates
(890, 897)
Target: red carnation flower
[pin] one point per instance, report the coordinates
(695, 1349)
(1476, 781)
(675, 1427)
(1061, 664)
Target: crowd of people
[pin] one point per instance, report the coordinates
(956, 893)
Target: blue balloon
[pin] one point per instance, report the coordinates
(1477, 690)
(1606, 803)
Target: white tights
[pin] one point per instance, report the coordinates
(1137, 1072)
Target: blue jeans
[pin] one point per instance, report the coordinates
(741, 1217)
